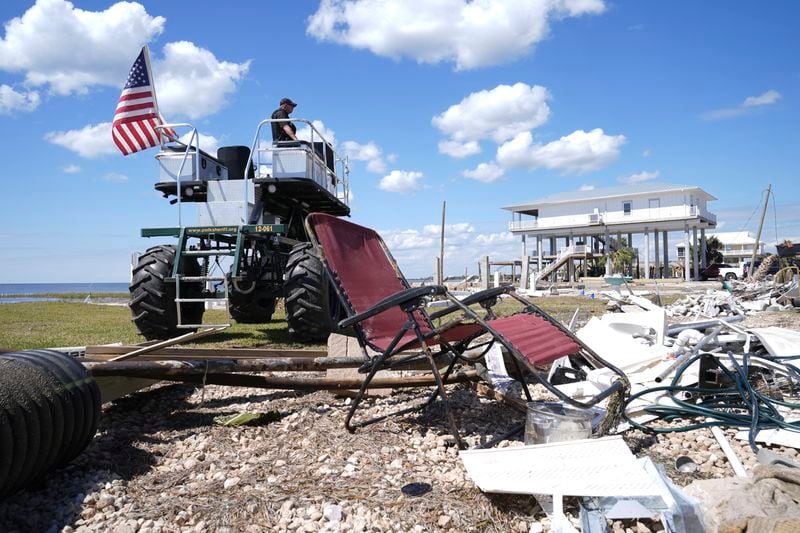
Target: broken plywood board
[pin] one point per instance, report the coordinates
(589, 467)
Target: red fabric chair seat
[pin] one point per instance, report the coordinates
(457, 333)
(535, 338)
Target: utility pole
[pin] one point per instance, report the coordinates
(758, 235)
(441, 246)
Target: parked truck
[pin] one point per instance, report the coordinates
(248, 247)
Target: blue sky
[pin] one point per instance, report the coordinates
(480, 104)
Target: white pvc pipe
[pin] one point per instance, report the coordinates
(733, 459)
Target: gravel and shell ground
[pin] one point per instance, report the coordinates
(160, 463)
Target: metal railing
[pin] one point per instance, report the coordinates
(612, 217)
(330, 179)
(193, 138)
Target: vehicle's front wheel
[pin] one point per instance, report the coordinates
(152, 300)
(730, 276)
(312, 306)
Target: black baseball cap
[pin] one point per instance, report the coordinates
(288, 101)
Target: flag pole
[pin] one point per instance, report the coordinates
(153, 88)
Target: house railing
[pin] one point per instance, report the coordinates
(614, 217)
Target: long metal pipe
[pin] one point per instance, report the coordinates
(211, 366)
(704, 324)
(686, 356)
(300, 382)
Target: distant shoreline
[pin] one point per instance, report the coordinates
(8, 290)
(65, 295)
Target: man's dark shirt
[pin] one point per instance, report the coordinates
(277, 127)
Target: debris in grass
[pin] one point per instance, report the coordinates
(247, 419)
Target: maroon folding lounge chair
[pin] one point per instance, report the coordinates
(388, 316)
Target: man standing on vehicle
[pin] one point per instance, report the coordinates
(284, 131)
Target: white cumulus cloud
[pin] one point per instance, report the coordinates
(114, 177)
(369, 152)
(499, 114)
(748, 105)
(71, 169)
(485, 172)
(459, 228)
(586, 187)
(769, 97)
(639, 178)
(408, 239)
(304, 132)
(208, 143)
(415, 248)
(91, 141)
(192, 82)
(12, 100)
(69, 49)
(401, 181)
(576, 153)
(458, 149)
(470, 34)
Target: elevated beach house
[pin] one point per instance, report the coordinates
(572, 228)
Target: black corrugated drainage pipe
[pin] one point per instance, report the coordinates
(49, 410)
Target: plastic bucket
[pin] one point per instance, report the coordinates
(553, 422)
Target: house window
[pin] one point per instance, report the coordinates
(626, 207)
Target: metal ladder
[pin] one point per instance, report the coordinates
(183, 251)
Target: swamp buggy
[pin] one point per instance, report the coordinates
(249, 247)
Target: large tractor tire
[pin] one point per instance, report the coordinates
(250, 303)
(312, 306)
(49, 411)
(153, 298)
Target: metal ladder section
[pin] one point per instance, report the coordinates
(183, 250)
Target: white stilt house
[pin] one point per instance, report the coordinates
(584, 222)
(737, 247)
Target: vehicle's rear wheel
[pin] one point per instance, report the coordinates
(729, 276)
(312, 306)
(250, 303)
(153, 298)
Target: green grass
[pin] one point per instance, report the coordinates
(50, 324)
(68, 295)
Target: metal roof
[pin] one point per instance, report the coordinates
(621, 191)
(734, 237)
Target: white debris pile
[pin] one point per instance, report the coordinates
(743, 299)
(778, 294)
(712, 304)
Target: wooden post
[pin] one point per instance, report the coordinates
(686, 274)
(695, 255)
(441, 247)
(523, 275)
(758, 235)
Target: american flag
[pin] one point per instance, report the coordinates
(136, 117)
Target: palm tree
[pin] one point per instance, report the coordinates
(622, 256)
(623, 259)
(713, 251)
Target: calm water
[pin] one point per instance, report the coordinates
(32, 289)
(41, 288)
